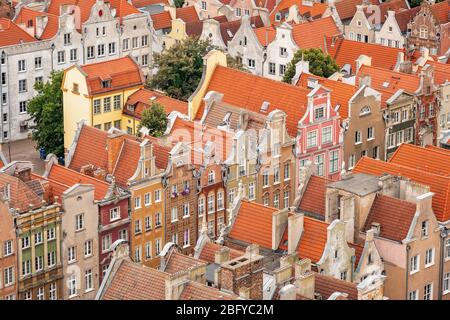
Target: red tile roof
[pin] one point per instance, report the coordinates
(11, 34)
(197, 291)
(405, 16)
(70, 177)
(123, 8)
(383, 8)
(21, 196)
(123, 73)
(347, 51)
(248, 91)
(441, 72)
(145, 3)
(134, 281)
(265, 35)
(179, 262)
(347, 8)
(143, 99)
(441, 11)
(127, 161)
(162, 20)
(341, 92)
(84, 7)
(326, 286)
(312, 34)
(317, 9)
(439, 184)
(90, 139)
(393, 215)
(432, 160)
(313, 199)
(388, 80)
(253, 224)
(209, 250)
(187, 14)
(26, 15)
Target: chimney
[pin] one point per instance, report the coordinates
(363, 60)
(389, 186)
(365, 80)
(295, 230)
(88, 170)
(302, 267)
(376, 228)
(305, 283)
(279, 224)
(172, 11)
(114, 143)
(222, 255)
(243, 120)
(100, 174)
(424, 202)
(252, 250)
(23, 174)
(244, 293)
(41, 23)
(175, 285)
(288, 292)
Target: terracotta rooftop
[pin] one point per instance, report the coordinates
(253, 224)
(70, 177)
(313, 199)
(11, 34)
(122, 72)
(388, 80)
(209, 250)
(28, 17)
(341, 92)
(312, 34)
(197, 291)
(383, 8)
(127, 161)
(179, 262)
(187, 14)
(134, 281)
(316, 10)
(405, 16)
(248, 91)
(441, 72)
(430, 159)
(162, 20)
(145, 3)
(265, 35)
(441, 10)
(439, 184)
(347, 51)
(313, 240)
(21, 196)
(326, 286)
(143, 99)
(393, 215)
(347, 8)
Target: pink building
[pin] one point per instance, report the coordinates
(319, 137)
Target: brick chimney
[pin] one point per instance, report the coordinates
(424, 202)
(244, 273)
(87, 170)
(175, 284)
(305, 279)
(295, 230)
(23, 174)
(279, 224)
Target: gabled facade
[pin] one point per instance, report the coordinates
(319, 137)
(9, 270)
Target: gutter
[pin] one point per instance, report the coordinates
(408, 248)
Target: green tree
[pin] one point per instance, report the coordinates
(154, 119)
(180, 68)
(179, 3)
(319, 64)
(46, 111)
(235, 63)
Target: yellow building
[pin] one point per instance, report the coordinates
(97, 93)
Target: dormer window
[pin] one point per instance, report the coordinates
(319, 113)
(359, 23)
(130, 107)
(106, 84)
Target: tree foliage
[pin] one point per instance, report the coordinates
(46, 111)
(154, 119)
(319, 64)
(178, 3)
(180, 68)
(235, 63)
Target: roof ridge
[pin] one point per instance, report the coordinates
(79, 173)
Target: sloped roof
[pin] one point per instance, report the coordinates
(312, 34)
(316, 10)
(197, 291)
(253, 224)
(179, 262)
(248, 91)
(347, 51)
(162, 20)
(383, 8)
(21, 196)
(145, 3)
(265, 35)
(327, 285)
(405, 16)
(393, 215)
(11, 34)
(70, 177)
(84, 6)
(143, 99)
(123, 73)
(439, 184)
(134, 281)
(187, 14)
(313, 199)
(26, 15)
(347, 8)
(127, 161)
(441, 72)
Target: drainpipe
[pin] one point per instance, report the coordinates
(264, 60)
(408, 248)
(443, 234)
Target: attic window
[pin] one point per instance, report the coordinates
(130, 107)
(364, 110)
(226, 118)
(106, 84)
(278, 16)
(265, 106)
(30, 23)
